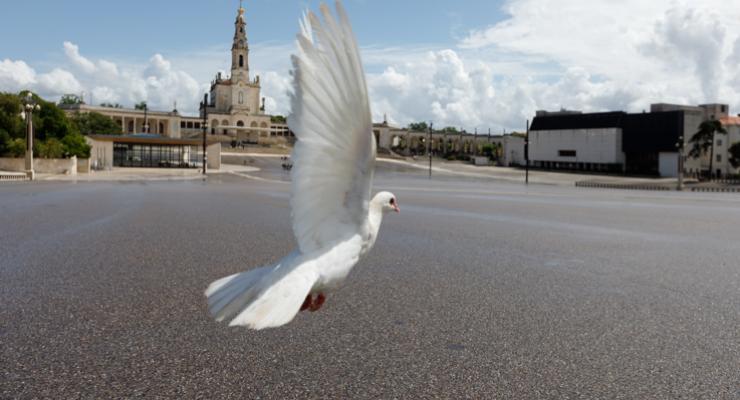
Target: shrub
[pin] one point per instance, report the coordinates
(51, 148)
(75, 145)
(16, 148)
(4, 142)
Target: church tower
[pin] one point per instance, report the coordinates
(235, 108)
(240, 50)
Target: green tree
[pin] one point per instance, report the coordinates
(16, 148)
(51, 148)
(141, 106)
(10, 115)
(4, 142)
(111, 105)
(703, 140)
(450, 129)
(418, 127)
(488, 150)
(278, 119)
(70, 99)
(95, 124)
(735, 155)
(75, 145)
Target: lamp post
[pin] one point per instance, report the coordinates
(204, 125)
(146, 118)
(431, 127)
(680, 147)
(29, 106)
(526, 155)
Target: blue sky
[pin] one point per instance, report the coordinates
(137, 29)
(467, 63)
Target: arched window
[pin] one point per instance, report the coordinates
(240, 124)
(241, 97)
(241, 61)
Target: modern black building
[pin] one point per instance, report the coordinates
(616, 142)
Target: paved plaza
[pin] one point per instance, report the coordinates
(480, 288)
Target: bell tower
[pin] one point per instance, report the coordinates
(240, 50)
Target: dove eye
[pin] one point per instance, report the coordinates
(393, 201)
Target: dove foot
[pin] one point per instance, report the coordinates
(312, 304)
(317, 303)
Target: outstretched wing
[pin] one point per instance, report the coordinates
(334, 156)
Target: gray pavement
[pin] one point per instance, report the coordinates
(478, 289)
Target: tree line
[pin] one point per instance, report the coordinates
(56, 135)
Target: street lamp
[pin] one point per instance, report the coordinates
(526, 155)
(431, 129)
(204, 125)
(29, 106)
(146, 118)
(680, 146)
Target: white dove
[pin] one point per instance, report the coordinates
(334, 220)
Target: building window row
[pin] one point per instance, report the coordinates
(189, 125)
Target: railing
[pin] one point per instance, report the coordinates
(716, 189)
(622, 186)
(13, 177)
(731, 181)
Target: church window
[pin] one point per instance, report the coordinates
(241, 97)
(241, 61)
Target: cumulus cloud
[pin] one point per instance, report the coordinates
(73, 54)
(627, 53)
(16, 75)
(58, 82)
(156, 81)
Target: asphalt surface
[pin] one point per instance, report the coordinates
(478, 289)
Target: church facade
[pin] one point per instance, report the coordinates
(236, 108)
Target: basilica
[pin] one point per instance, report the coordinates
(235, 110)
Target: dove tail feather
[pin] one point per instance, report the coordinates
(266, 297)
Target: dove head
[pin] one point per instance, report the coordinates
(387, 202)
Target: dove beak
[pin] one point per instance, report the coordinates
(396, 208)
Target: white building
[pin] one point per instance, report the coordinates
(723, 143)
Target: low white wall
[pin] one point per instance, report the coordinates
(66, 166)
(13, 164)
(41, 165)
(83, 166)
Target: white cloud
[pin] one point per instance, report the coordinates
(16, 75)
(73, 54)
(630, 53)
(58, 82)
(156, 81)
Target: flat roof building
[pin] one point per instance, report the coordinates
(151, 151)
(619, 142)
